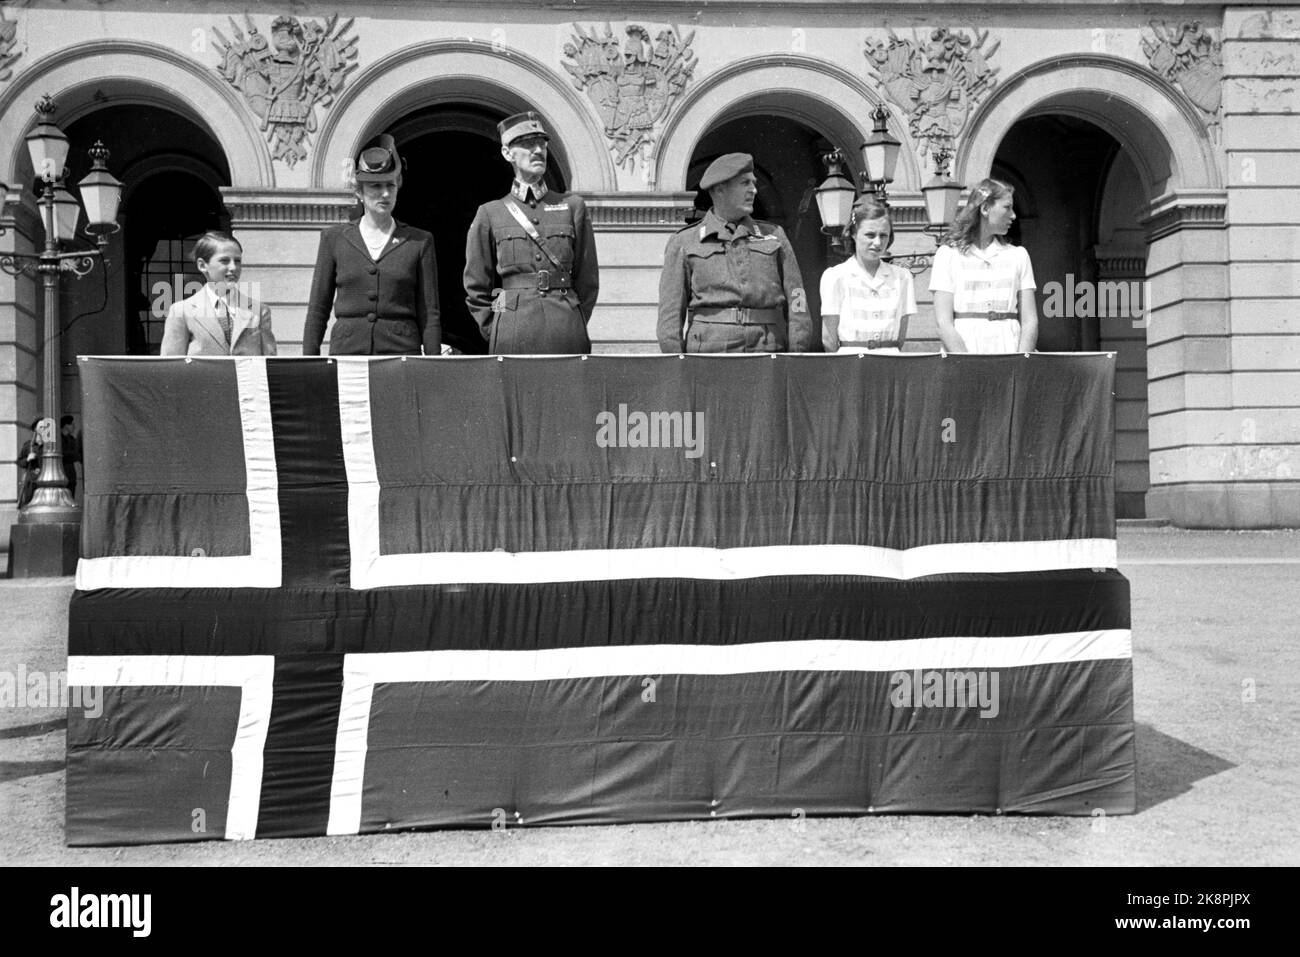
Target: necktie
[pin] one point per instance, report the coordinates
(223, 317)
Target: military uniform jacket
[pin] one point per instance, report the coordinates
(713, 266)
(502, 266)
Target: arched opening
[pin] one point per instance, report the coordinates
(172, 170)
(1078, 198)
(453, 166)
(452, 75)
(787, 162)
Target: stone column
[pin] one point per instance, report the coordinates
(20, 347)
(1122, 324)
(1259, 454)
(1188, 357)
(632, 229)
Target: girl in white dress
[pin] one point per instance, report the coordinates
(983, 286)
(865, 300)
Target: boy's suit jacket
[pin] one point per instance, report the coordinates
(192, 329)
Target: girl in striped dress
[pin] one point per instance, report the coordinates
(983, 286)
(865, 300)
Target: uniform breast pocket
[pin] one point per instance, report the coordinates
(559, 242)
(765, 267)
(514, 248)
(708, 268)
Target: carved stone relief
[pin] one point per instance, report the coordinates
(302, 66)
(936, 81)
(8, 40)
(1189, 57)
(632, 86)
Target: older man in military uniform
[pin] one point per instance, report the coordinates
(731, 283)
(531, 275)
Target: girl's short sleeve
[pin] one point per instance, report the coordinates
(941, 272)
(1026, 269)
(832, 292)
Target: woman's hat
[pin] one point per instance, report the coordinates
(379, 161)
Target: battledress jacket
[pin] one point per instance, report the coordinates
(732, 287)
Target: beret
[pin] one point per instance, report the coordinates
(725, 167)
(521, 124)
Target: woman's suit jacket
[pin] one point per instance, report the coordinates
(384, 306)
(192, 329)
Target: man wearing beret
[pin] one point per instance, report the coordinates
(531, 275)
(731, 283)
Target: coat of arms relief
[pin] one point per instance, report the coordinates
(284, 78)
(1191, 58)
(8, 40)
(633, 84)
(936, 80)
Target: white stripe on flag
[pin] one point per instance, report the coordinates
(361, 672)
(371, 569)
(258, 569)
(252, 674)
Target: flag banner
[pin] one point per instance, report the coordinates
(349, 595)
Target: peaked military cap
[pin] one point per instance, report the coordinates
(521, 124)
(725, 167)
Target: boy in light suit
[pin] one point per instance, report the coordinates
(217, 320)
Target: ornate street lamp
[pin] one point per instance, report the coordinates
(101, 192)
(836, 195)
(880, 153)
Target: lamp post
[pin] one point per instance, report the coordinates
(51, 504)
(836, 195)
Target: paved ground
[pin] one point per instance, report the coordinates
(1217, 686)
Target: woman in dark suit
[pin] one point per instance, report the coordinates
(378, 276)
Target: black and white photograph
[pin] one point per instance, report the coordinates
(741, 433)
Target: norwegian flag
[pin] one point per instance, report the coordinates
(351, 595)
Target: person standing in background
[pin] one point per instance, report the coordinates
(70, 445)
(29, 462)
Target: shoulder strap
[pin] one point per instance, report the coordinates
(531, 230)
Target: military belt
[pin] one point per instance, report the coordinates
(992, 315)
(741, 315)
(543, 280)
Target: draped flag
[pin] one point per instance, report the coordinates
(350, 595)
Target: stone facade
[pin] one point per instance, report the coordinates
(1153, 146)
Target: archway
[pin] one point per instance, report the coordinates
(88, 77)
(172, 170)
(1142, 143)
(455, 74)
(1079, 198)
